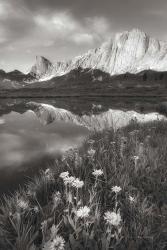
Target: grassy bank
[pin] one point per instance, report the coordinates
(110, 194)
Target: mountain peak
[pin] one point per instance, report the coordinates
(132, 31)
(41, 67)
(137, 31)
(42, 59)
(129, 51)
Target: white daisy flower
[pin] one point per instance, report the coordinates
(97, 172)
(131, 199)
(56, 244)
(112, 218)
(44, 225)
(83, 212)
(69, 180)
(136, 157)
(116, 189)
(22, 204)
(77, 183)
(64, 175)
(36, 209)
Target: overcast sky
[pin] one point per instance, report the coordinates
(62, 29)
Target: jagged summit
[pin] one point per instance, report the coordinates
(42, 67)
(130, 51)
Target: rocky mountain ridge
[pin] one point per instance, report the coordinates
(131, 51)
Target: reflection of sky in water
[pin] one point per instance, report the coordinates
(24, 140)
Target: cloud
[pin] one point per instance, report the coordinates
(63, 29)
(99, 26)
(3, 37)
(83, 39)
(14, 22)
(62, 25)
(57, 24)
(3, 10)
(160, 13)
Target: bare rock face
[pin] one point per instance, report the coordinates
(131, 52)
(42, 67)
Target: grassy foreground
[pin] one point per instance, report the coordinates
(110, 194)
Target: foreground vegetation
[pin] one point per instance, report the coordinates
(109, 194)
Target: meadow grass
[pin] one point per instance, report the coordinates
(109, 194)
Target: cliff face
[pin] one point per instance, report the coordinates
(132, 52)
(42, 67)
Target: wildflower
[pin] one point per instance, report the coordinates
(69, 197)
(69, 180)
(131, 199)
(64, 175)
(83, 212)
(53, 231)
(136, 158)
(91, 152)
(56, 199)
(97, 172)
(44, 225)
(77, 183)
(56, 244)
(116, 189)
(113, 218)
(22, 204)
(36, 209)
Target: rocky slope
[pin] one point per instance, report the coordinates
(111, 118)
(132, 52)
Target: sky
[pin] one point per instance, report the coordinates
(60, 30)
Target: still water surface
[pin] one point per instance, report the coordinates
(26, 146)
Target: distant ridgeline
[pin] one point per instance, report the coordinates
(130, 64)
